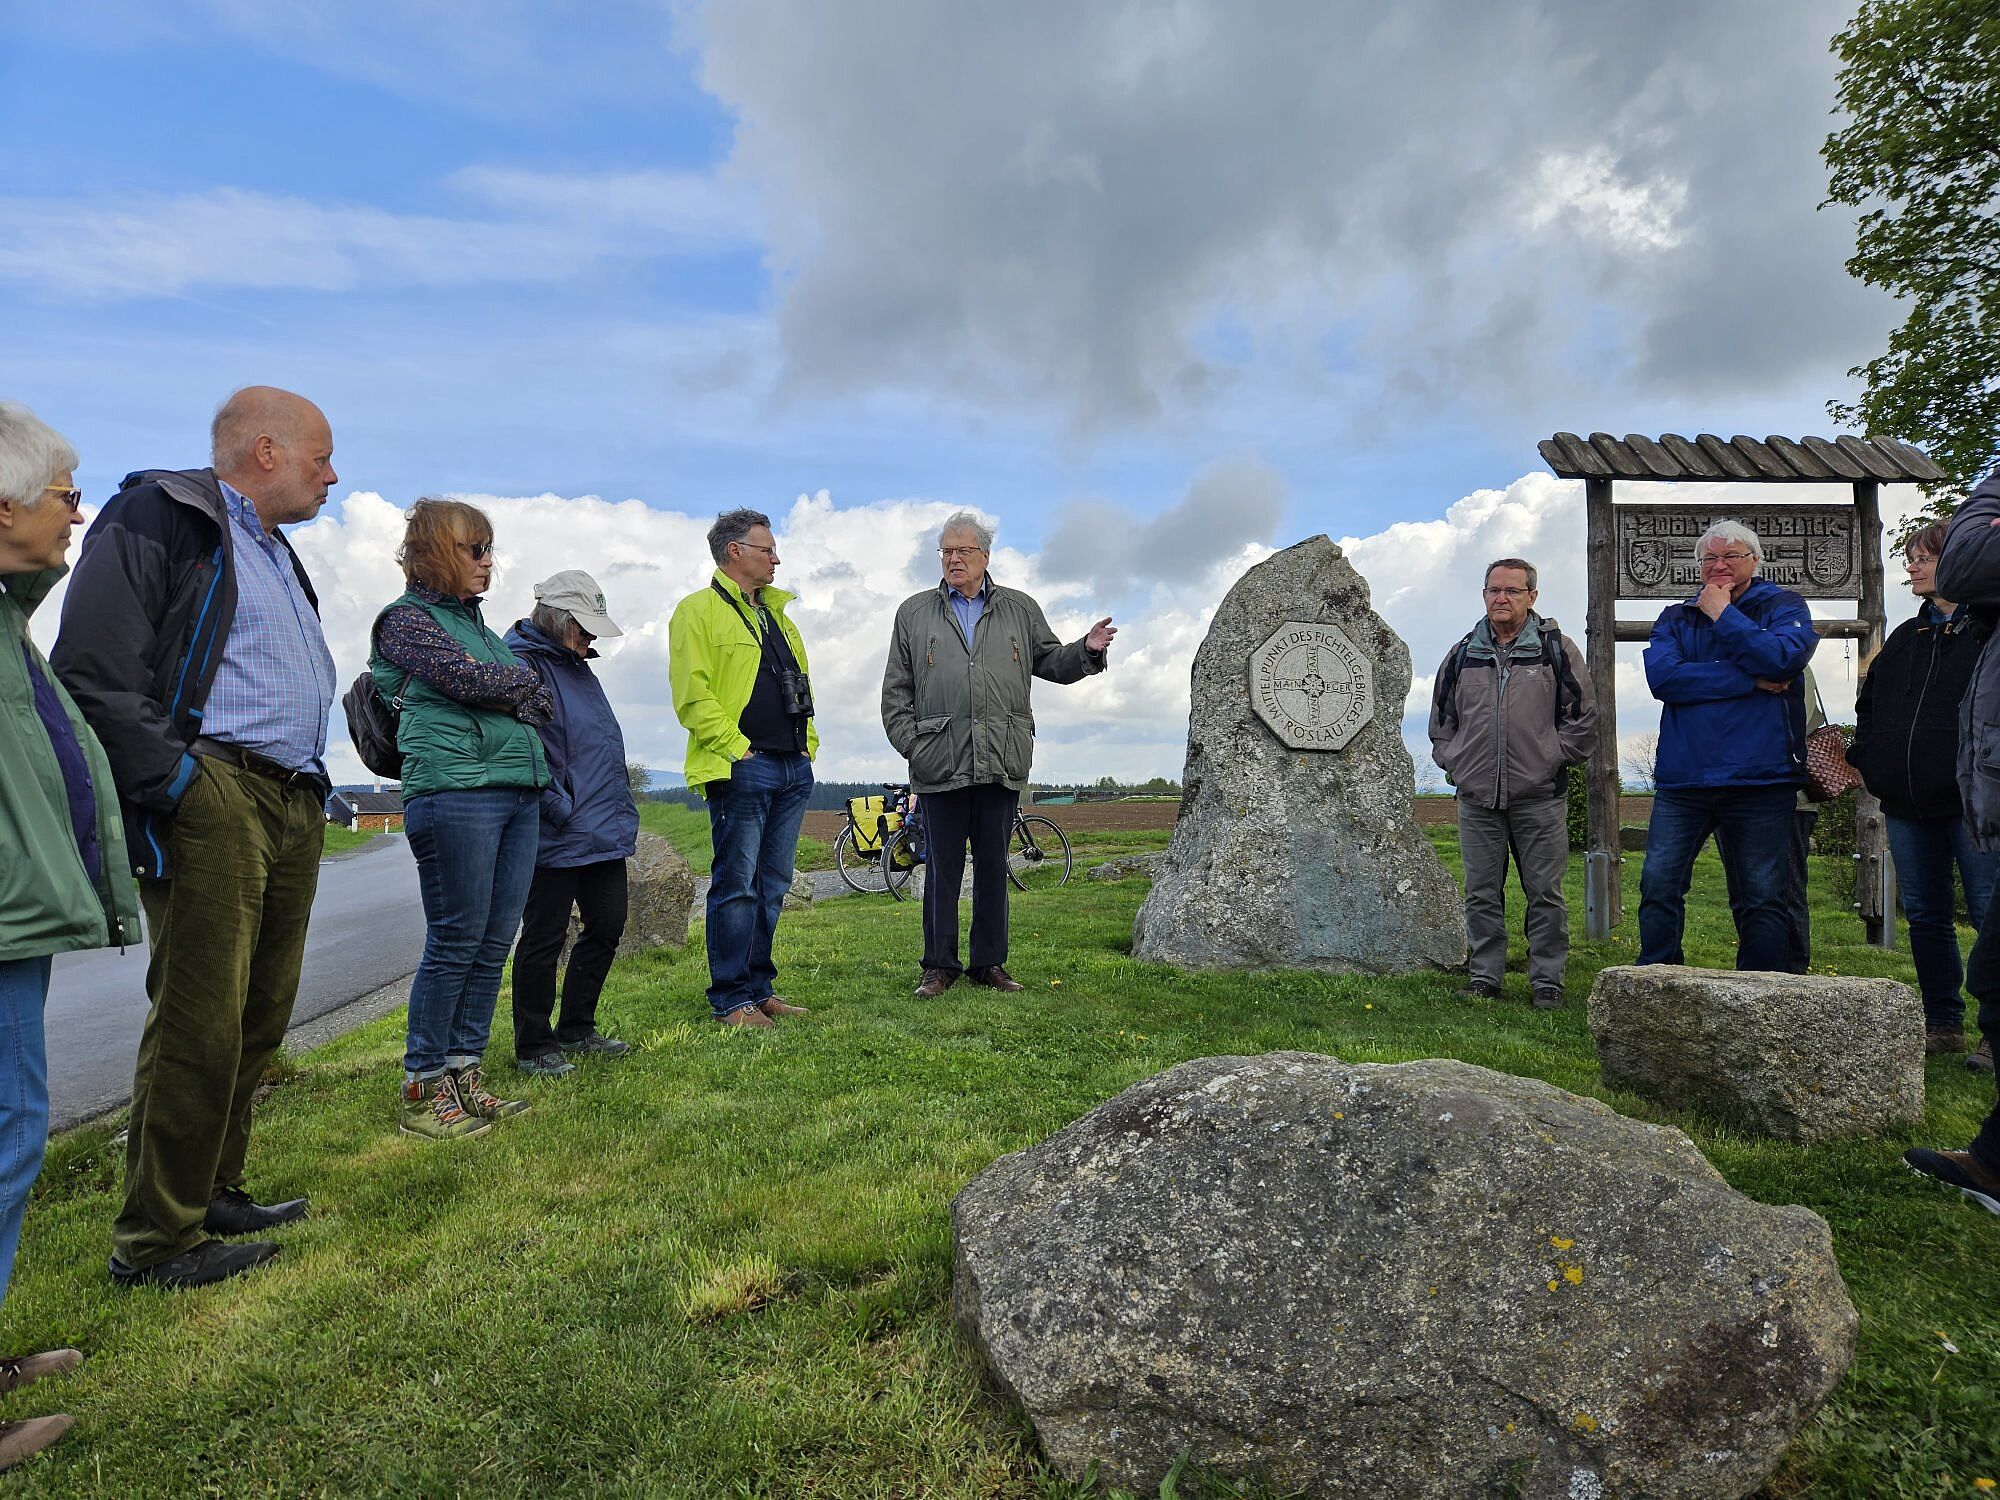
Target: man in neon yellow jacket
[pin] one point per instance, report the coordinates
(741, 691)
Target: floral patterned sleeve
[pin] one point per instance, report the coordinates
(410, 639)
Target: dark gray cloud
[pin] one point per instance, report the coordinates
(1114, 548)
(1110, 210)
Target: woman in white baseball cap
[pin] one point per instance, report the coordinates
(590, 827)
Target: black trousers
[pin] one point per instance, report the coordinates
(1982, 982)
(983, 817)
(598, 894)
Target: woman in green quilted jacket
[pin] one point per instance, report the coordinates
(64, 884)
(473, 771)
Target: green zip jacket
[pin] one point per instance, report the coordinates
(712, 660)
(449, 746)
(959, 714)
(47, 902)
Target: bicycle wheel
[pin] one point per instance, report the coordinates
(900, 858)
(1037, 854)
(862, 872)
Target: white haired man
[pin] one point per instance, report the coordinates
(955, 705)
(1726, 667)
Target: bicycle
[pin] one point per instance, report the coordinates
(1038, 854)
(860, 851)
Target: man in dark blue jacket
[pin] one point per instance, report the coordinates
(1969, 571)
(1726, 667)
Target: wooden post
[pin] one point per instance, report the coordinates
(1874, 875)
(1603, 898)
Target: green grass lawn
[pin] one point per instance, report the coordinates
(721, 1266)
(339, 840)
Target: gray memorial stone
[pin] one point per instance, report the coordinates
(1286, 857)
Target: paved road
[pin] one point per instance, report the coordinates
(367, 931)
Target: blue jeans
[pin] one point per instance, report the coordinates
(1929, 853)
(1753, 833)
(24, 1097)
(475, 861)
(753, 823)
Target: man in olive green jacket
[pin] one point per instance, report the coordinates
(955, 705)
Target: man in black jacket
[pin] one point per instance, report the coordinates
(191, 641)
(1969, 571)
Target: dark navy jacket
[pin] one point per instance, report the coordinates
(1718, 728)
(1968, 571)
(588, 815)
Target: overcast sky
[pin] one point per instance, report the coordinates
(1155, 286)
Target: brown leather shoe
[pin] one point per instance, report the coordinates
(776, 1007)
(747, 1015)
(935, 982)
(26, 1370)
(20, 1440)
(995, 978)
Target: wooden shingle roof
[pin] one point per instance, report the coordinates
(1775, 460)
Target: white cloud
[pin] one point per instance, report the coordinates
(851, 566)
(528, 227)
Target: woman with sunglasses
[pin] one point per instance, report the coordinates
(473, 770)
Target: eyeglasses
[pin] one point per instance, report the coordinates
(72, 497)
(1500, 593)
(759, 546)
(480, 550)
(948, 553)
(1732, 558)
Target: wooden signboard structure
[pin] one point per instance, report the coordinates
(1646, 551)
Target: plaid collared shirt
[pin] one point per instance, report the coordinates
(275, 685)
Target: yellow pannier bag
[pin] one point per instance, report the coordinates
(873, 823)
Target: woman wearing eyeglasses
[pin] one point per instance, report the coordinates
(473, 770)
(63, 884)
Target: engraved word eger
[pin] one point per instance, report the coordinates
(1311, 686)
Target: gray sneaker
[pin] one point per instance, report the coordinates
(597, 1044)
(545, 1065)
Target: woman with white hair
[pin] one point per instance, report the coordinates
(1726, 667)
(63, 885)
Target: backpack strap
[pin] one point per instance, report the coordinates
(1565, 674)
(1454, 665)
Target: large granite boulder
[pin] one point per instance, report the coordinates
(1417, 1280)
(659, 900)
(1798, 1056)
(1289, 857)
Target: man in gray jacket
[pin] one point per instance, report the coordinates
(1511, 711)
(955, 706)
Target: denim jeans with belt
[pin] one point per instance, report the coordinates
(1932, 855)
(1753, 829)
(24, 1097)
(753, 821)
(475, 860)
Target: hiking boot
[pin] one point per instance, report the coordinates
(934, 983)
(994, 977)
(596, 1045)
(1959, 1169)
(431, 1109)
(1480, 989)
(1942, 1041)
(1548, 997)
(16, 1374)
(1980, 1058)
(21, 1440)
(545, 1065)
(477, 1101)
(209, 1262)
(771, 1005)
(746, 1015)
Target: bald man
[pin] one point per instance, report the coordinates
(191, 640)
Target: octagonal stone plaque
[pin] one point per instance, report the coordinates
(1311, 686)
